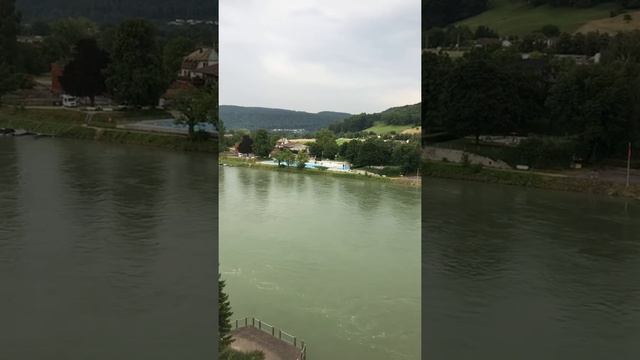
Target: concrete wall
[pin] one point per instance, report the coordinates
(456, 156)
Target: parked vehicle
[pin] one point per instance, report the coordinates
(69, 101)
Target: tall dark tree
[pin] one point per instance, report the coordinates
(246, 145)
(83, 75)
(172, 54)
(9, 27)
(135, 75)
(196, 106)
(224, 317)
(262, 145)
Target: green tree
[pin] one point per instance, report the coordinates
(246, 145)
(301, 159)
(284, 156)
(65, 34)
(83, 75)
(262, 145)
(550, 30)
(9, 27)
(173, 53)
(196, 106)
(407, 156)
(135, 74)
(325, 145)
(224, 317)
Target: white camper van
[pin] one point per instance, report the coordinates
(69, 101)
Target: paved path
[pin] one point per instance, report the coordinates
(251, 339)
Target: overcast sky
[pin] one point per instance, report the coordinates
(315, 55)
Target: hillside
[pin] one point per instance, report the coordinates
(517, 17)
(393, 119)
(252, 118)
(612, 25)
(116, 10)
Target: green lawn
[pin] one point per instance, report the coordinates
(381, 129)
(516, 17)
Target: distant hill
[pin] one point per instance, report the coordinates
(396, 117)
(518, 17)
(252, 118)
(117, 10)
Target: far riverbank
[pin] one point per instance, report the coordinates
(548, 181)
(72, 124)
(238, 162)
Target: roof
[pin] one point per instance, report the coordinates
(202, 54)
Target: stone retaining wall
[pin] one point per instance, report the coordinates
(457, 156)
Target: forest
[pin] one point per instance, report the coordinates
(590, 111)
(440, 13)
(252, 118)
(109, 11)
(401, 115)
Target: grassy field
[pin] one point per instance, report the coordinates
(382, 129)
(70, 124)
(613, 25)
(527, 179)
(516, 17)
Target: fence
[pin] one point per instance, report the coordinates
(275, 332)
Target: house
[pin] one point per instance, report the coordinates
(199, 64)
(30, 39)
(286, 144)
(207, 75)
(578, 59)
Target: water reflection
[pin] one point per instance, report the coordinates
(10, 230)
(507, 269)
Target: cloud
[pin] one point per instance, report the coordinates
(355, 56)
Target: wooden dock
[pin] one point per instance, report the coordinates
(252, 334)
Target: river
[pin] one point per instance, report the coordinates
(333, 261)
(515, 273)
(106, 252)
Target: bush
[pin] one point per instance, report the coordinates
(547, 152)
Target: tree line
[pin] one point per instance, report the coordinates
(496, 92)
(403, 115)
(440, 13)
(116, 10)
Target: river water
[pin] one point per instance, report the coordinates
(106, 252)
(514, 273)
(333, 261)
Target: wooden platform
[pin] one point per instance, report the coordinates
(250, 339)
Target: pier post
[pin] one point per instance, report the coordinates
(253, 322)
(260, 324)
(294, 341)
(236, 324)
(279, 334)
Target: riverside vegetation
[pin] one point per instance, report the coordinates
(568, 98)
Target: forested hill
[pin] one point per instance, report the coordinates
(116, 10)
(252, 118)
(511, 14)
(401, 115)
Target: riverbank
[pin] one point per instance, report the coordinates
(560, 182)
(71, 124)
(249, 163)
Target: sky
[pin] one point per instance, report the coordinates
(351, 56)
